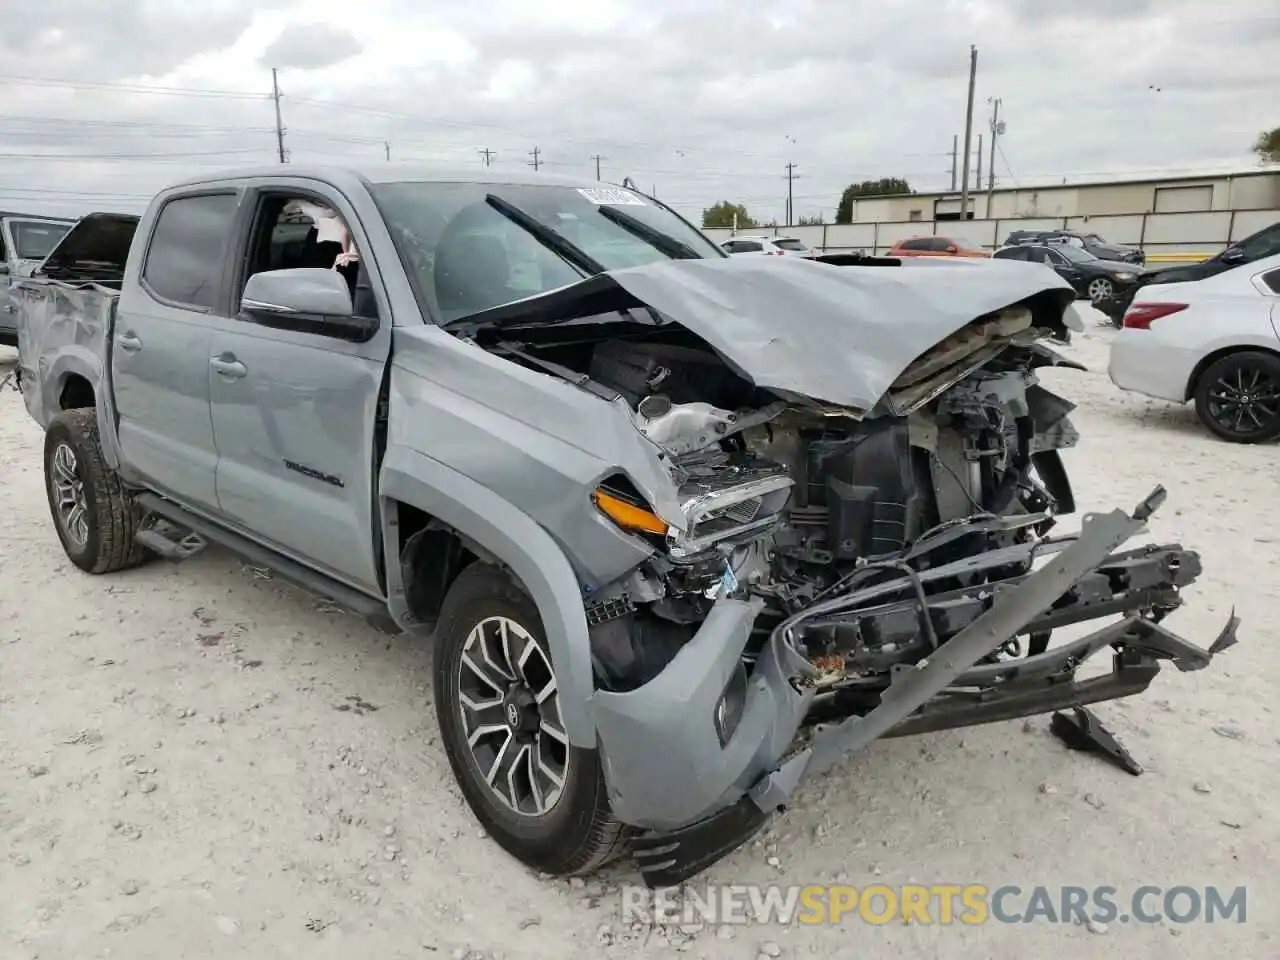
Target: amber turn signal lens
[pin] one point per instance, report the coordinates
(628, 515)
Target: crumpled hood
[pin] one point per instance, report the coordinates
(837, 334)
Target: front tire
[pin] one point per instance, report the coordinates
(1237, 397)
(497, 705)
(1099, 289)
(94, 515)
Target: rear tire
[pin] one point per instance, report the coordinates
(1237, 397)
(487, 616)
(94, 515)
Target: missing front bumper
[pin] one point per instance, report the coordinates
(952, 688)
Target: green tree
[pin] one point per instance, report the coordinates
(720, 216)
(1267, 146)
(884, 187)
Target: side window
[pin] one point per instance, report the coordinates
(1272, 279)
(293, 231)
(918, 244)
(184, 257)
(749, 246)
(1038, 255)
(938, 244)
(1054, 258)
(1012, 253)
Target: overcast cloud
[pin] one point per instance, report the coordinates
(700, 100)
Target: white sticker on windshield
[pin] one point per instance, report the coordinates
(611, 196)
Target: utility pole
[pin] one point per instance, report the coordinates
(997, 128)
(955, 150)
(968, 134)
(535, 152)
(977, 181)
(275, 95)
(386, 148)
(791, 175)
(487, 154)
(597, 158)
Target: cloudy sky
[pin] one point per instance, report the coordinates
(102, 101)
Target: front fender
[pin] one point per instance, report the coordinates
(521, 544)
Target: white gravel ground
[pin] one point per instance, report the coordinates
(192, 765)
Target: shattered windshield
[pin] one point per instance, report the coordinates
(471, 246)
(35, 239)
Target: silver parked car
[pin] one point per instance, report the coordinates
(24, 242)
(661, 510)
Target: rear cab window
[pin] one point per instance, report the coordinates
(185, 255)
(790, 244)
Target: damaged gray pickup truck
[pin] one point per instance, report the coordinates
(687, 529)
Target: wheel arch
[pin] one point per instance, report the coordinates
(440, 507)
(1215, 355)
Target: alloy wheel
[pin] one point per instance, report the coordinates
(1244, 401)
(71, 507)
(510, 708)
(1099, 289)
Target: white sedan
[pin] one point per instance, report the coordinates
(1215, 341)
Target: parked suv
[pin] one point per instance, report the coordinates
(682, 534)
(772, 246)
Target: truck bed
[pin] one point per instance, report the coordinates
(62, 334)
(65, 312)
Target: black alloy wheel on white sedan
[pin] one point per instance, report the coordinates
(498, 706)
(1237, 397)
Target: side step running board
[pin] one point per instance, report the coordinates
(170, 540)
(372, 609)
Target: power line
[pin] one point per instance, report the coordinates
(487, 154)
(132, 88)
(534, 162)
(75, 193)
(597, 158)
(125, 157)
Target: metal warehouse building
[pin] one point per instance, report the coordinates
(1246, 190)
(1171, 218)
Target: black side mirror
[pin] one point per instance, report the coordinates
(1233, 255)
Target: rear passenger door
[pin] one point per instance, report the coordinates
(160, 346)
(294, 414)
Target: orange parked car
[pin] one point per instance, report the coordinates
(935, 247)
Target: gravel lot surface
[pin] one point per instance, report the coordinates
(196, 761)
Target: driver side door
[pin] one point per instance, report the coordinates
(295, 413)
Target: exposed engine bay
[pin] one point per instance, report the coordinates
(791, 500)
